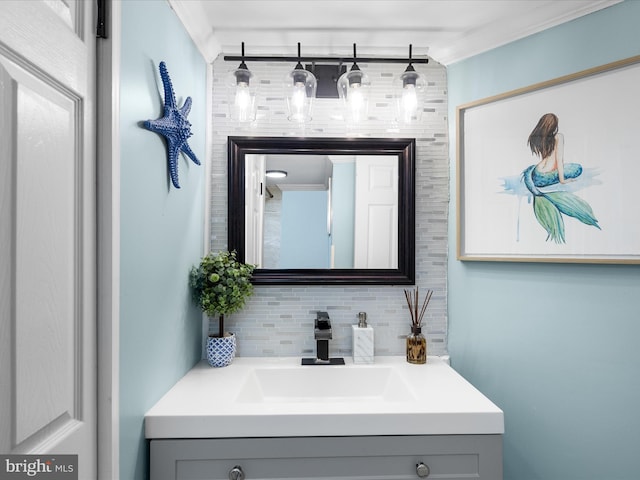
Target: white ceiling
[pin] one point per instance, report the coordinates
(445, 30)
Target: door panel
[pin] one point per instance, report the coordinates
(376, 206)
(48, 224)
(45, 263)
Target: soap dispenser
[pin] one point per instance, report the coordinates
(362, 340)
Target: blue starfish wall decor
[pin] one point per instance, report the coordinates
(174, 126)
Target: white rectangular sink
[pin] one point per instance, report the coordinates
(325, 384)
(278, 397)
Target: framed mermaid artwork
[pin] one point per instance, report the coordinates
(551, 172)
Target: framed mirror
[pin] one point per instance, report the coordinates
(341, 212)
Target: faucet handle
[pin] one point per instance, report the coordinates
(323, 324)
(322, 321)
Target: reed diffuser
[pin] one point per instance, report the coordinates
(416, 342)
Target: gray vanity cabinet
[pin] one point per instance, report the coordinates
(454, 457)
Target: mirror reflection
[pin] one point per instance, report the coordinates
(321, 211)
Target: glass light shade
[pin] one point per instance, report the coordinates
(300, 90)
(242, 94)
(353, 90)
(409, 90)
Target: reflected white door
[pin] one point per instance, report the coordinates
(254, 208)
(47, 230)
(376, 207)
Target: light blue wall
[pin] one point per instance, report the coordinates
(343, 205)
(305, 242)
(161, 227)
(565, 376)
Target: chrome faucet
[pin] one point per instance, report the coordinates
(322, 334)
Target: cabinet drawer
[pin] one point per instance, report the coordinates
(330, 458)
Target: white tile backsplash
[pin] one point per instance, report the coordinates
(278, 320)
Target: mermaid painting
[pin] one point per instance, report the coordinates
(545, 181)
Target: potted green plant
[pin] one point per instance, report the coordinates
(221, 284)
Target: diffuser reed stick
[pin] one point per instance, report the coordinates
(413, 301)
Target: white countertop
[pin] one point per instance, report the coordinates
(226, 402)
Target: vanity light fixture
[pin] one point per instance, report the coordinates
(352, 86)
(299, 90)
(353, 89)
(276, 173)
(242, 87)
(409, 90)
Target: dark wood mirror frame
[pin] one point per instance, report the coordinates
(403, 148)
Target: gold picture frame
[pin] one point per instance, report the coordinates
(550, 172)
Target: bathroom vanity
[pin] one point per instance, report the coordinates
(272, 418)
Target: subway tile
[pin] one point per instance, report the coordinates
(278, 321)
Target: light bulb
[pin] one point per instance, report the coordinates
(409, 102)
(356, 102)
(242, 102)
(298, 100)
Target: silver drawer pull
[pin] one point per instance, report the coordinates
(236, 473)
(422, 470)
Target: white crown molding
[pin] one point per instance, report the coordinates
(499, 34)
(194, 20)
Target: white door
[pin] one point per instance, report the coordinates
(47, 230)
(254, 208)
(376, 207)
